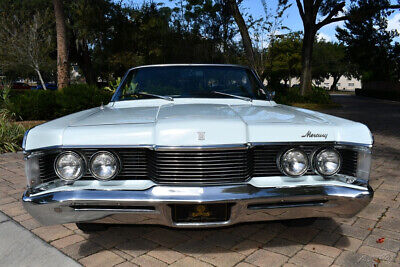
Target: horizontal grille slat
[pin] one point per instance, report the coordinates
(190, 164)
(189, 168)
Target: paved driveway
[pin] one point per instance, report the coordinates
(371, 238)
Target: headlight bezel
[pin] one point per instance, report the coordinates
(317, 152)
(117, 160)
(84, 165)
(288, 150)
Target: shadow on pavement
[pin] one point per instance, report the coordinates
(135, 240)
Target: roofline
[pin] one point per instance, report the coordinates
(191, 65)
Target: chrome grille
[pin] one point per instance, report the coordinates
(200, 166)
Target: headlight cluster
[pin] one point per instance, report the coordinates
(295, 162)
(70, 166)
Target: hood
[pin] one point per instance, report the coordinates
(195, 123)
(248, 114)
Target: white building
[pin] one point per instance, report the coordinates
(344, 84)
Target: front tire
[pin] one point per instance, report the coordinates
(91, 227)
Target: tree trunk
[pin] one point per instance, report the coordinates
(248, 47)
(41, 79)
(62, 52)
(85, 62)
(306, 71)
(335, 81)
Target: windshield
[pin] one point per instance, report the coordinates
(189, 82)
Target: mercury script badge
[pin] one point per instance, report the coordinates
(309, 134)
(201, 136)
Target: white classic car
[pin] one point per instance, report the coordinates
(195, 146)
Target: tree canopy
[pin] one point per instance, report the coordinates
(105, 38)
(369, 43)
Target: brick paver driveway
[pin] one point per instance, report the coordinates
(351, 242)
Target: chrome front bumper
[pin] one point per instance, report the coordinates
(153, 205)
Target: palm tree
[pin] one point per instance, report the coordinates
(62, 51)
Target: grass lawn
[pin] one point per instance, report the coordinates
(342, 92)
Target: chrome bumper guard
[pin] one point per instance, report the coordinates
(153, 206)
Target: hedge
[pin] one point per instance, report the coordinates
(47, 105)
(290, 96)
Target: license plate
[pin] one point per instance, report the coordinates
(200, 213)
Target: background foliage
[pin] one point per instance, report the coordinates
(47, 105)
(11, 134)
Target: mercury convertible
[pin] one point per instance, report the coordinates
(195, 146)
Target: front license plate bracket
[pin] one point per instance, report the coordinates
(200, 213)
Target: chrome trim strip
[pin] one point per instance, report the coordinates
(117, 92)
(191, 65)
(87, 146)
(353, 144)
(210, 147)
(310, 143)
(222, 146)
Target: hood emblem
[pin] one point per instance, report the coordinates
(309, 134)
(201, 136)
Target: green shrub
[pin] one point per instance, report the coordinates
(318, 96)
(289, 96)
(11, 135)
(47, 105)
(34, 105)
(80, 97)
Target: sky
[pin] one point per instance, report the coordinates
(292, 18)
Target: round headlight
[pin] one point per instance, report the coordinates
(327, 162)
(69, 166)
(104, 165)
(294, 162)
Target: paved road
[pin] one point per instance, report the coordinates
(351, 242)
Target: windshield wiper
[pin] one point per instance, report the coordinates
(168, 98)
(248, 99)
